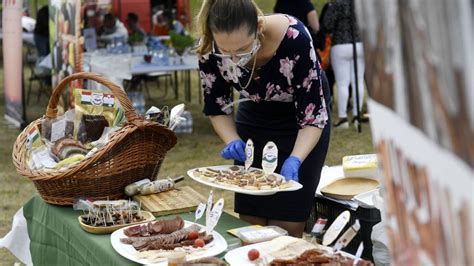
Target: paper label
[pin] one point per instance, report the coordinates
(156, 186)
(199, 211)
(249, 151)
(359, 162)
(347, 237)
(42, 158)
(97, 98)
(270, 158)
(208, 208)
(252, 236)
(215, 214)
(58, 130)
(319, 226)
(336, 227)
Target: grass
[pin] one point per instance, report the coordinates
(200, 148)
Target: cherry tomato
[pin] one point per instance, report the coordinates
(253, 254)
(193, 235)
(199, 243)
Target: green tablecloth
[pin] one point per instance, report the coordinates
(57, 239)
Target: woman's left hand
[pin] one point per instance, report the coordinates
(290, 168)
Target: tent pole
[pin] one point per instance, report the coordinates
(354, 52)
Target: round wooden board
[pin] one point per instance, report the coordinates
(347, 188)
(99, 230)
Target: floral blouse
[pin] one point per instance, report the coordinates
(292, 75)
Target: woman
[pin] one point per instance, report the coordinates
(271, 61)
(300, 9)
(339, 21)
(41, 32)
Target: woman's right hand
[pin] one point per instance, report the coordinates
(235, 150)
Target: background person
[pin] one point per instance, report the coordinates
(300, 9)
(338, 20)
(111, 29)
(134, 26)
(41, 32)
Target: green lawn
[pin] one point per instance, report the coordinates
(200, 148)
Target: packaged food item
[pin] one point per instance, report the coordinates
(91, 128)
(67, 147)
(41, 158)
(363, 165)
(347, 237)
(119, 118)
(251, 234)
(105, 213)
(70, 160)
(94, 112)
(104, 138)
(60, 127)
(318, 229)
(133, 188)
(159, 185)
(336, 228)
(154, 114)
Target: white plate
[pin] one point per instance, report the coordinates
(239, 256)
(295, 185)
(366, 199)
(217, 246)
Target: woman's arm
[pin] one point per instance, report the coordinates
(306, 140)
(224, 126)
(313, 21)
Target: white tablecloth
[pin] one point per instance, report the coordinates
(18, 240)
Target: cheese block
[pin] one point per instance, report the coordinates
(363, 165)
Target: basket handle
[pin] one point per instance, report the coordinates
(129, 112)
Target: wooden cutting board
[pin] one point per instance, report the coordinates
(177, 200)
(347, 188)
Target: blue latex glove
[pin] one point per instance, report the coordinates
(290, 168)
(235, 150)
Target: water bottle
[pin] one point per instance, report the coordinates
(138, 101)
(165, 57)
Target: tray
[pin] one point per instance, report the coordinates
(100, 230)
(347, 188)
(217, 246)
(294, 186)
(178, 200)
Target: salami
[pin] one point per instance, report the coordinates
(154, 228)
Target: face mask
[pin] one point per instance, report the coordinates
(244, 58)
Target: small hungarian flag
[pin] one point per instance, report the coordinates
(86, 97)
(33, 135)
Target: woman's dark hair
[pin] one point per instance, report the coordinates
(132, 17)
(225, 16)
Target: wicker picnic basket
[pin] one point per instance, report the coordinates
(134, 152)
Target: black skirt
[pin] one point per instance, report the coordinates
(276, 121)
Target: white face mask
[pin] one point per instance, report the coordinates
(244, 58)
